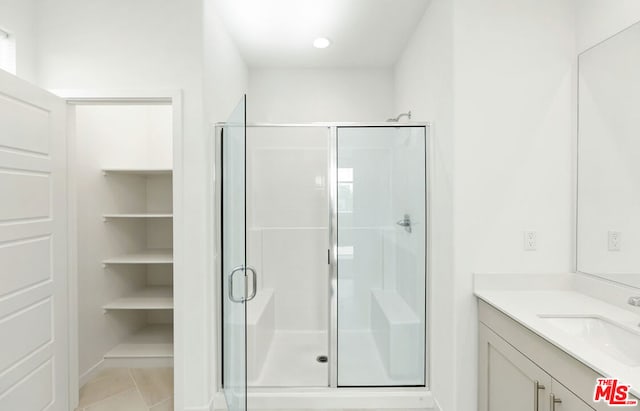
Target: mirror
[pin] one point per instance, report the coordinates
(609, 159)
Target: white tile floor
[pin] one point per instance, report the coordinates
(124, 389)
(148, 389)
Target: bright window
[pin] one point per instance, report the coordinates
(345, 190)
(7, 52)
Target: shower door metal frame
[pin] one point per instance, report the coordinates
(333, 260)
(333, 240)
(333, 233)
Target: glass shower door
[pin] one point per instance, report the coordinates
(381, 255)
(235, 280)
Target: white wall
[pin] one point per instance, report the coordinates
(18, 17)
(515, 74)
(601, 19)
(225, 74)
(148, 44)
(310, 95)
(424, 85)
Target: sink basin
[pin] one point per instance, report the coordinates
(618, 342)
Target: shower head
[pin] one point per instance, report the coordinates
(395, 120)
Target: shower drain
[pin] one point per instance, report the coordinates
(322, 358)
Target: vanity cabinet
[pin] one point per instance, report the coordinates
(520, 371)
(508, 380)
(568, 401)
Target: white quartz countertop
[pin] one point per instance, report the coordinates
(527, 306)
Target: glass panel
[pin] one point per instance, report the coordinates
(287, 243)
(234, 260)
(381, 256)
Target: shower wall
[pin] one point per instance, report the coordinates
(287, 242)
(408, 197)
(365, 246)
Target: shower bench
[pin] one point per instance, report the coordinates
(397, 332)
(260, 330)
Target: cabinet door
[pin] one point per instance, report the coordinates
(509, 381)
(564, 400)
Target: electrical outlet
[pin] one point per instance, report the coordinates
(615, 238)
(530, 241)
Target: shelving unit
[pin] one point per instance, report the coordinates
(137, 215)
(137, 171)
(153, 341)
(150, 256)
(124, 184)
(149, 298)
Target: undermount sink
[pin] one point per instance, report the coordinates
(616, 341)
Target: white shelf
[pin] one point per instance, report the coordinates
(138, 215)
(150, 298)
(153, 341)
(137, 171)
(151, 256)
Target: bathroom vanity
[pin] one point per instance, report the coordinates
(544, 349)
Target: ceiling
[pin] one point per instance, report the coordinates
(280, 33)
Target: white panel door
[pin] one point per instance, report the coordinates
(34, 357)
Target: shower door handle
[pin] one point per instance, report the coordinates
(230, 285)
(254, 281)
(254, 284)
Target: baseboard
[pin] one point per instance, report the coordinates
(218, 402)
(209, 407)
(92, 372)
(334, 399)
(138, 362)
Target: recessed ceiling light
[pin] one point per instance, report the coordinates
(321, 43)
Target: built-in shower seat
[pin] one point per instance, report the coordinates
(396, 331)
(260, 330)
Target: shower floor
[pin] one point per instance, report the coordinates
(291, 361)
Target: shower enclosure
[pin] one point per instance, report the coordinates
(324, 239)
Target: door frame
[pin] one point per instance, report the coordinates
(333, 242)
(288, 397)
(74, 98)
